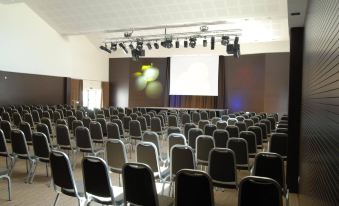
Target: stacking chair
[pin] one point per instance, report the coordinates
(279, 144)
(220, 137)
(63, 178)
(50, 112)
(70, 120)
(261, 191)
(35, 116)
(240, 148)
(143, 110)
(79, 115)
(204, 115)
(91, 114)
(115, 155)
(84, 142)
(214, 120)
(148, 120)
(273, 122)
(268, 126)
(20, 151)
(156, 126)
(263, 130)
(133, 116)
(64, 140)
(187, 127)
(56, 116)
(47, 122)
(251, 139)
(61, 121)
(4, 151)
(222, 168)
(147, 153)
(271, 165)
(209, 129)
(193, 134)
(100, 188)
(199, 185)
(76, 123)
(5, 126)
(212, 114)
(16, 119)
(5, 174)
(196, 117)
(5, 116)
(258, 135)
(203, 145)
(231, 121)
(186, 118)
(224, 117)
(29, 119)
(248, 122)
(135, 132)
(41, 149)
(140, 187)
(232, 130)
(255, 119)
(26, 129)
(96, 132)
(43, 128)
(172, 121)
(121, 127)
(143, 123)
(175, 139)
(125, 121)
(103, 125)
(153, 137)
(86, 121)
(240, 118)
(181, 157)
(222, 125)
(203, 123)
(241, 126)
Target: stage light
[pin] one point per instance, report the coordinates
(236, 49)
(185, 44)
(167, 43)
(236, 40)
(139, 45)
(177, 44)
(204, 43)
(229, 48)
(114, 46)
(212, 42)
(105, 48)
(123, 47)
(156, 45)
(137, 53)
(149, 46)
(225, 40)
(131, 46)
(193, 42)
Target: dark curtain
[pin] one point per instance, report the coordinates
(167, 83)
(222, 94)
(80, 92)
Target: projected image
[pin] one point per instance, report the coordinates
(146, 80)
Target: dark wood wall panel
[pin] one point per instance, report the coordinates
(319, 160)
(20, 88)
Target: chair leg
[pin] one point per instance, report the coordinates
(56, 199)
(47, 169)
(12, 167)
(9, 183)
(31, 173)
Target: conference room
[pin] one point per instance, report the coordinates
(206, 102)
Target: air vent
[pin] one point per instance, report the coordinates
(295, 13)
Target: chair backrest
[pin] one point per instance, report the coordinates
(35, 116)
(255, 119)
(220, 137)
(61, 121)
(204, 115)
(113, 131)
(147, 153)
(115, 154)
(19, 144)
(196, 117)
(258, 134)
(222, 168)
(29, 119)
(231, 121)
(16, 118)
(241, 126)
(103, 125)
(143, 123)
(186, 118)
(233, 130)
(261, 191)
(251, 139)
(45, 114)
(148, 119)
(6, 128)
(62, 135)
(139, 185)
(43, 128)
(172, 121)
(3, 145)
(76, 123)
(268, 125)
(172, 130)
(47, 122)
(56, 116)
(6, 116)
(279, 144)
(214, 120)
(204, 144)
(175, 139)
(248, 122)
(240, 148)
(193, 134)
(70, 120)
(86, 121)
(212, 114)
(156, 124)
(99, 187)
(225, 117)
(240, 118)
(203, 123)
(270, 165)
(135, 128)
(187, 127)
(79, 115)
(83, 139)
(199, 185)
(120, 125)
(153, 137)
(272, 120)
(133, 116)
(26, 129)
(62, 172)
(263, 130)
(221, 125)
(121, 116)
(95, 130)
(125, 121)
(209, 129)
(182, 157)
(41, 146)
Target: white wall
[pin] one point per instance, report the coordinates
(29, 45)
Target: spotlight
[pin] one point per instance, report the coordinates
(167, 43)
(131, 46)
(113, 46)
(212, 42)
(204, 43)
(123, 47)
(229, 48)
(149, 46)
(193, 42)
(105, 48)
(139, 45)
(137, 53)
(225, 40)
(236, 40)
(156, 45)
(185, 44)
(177, 44)
(236, 49)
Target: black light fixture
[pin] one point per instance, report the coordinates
(236, 49)
(212, 42)
(131, 46)
(123, 47)
(113, 46)
(167, 43)
(185, 44)
(193, 42)
(104, 48)
(177, 44)
(149, 46)
(204, 42)
(225, 40)
(156, 45)
(139, 45)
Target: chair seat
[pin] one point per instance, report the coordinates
(70, 192)
(165, 200)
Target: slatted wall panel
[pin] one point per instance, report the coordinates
(319, 144)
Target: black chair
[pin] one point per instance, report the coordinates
(221, 125)
(26, 129)
(20, 151)
(258, 135)
(70, 120)
(63, 178)
(195, 117)
(29, 119)
(186, 118)
(259, 191)
(204, 144)
(41, 149)
(199, 185)
(125, 122)
(79, 115)
(232, 130)
(86, 121)
(76, 123)
(212, 114)
(250, 137)
(36, 116)
(84, 141)
(209, 129)
(172, 121)
(6, 116)
(220, 137)
(268, 126)
(222, 168)
(279, 144)
(5, 126)
(96, 132)
(100, 188)
(103, 125)
(187, 127)
(143, 123)
(204, 115)
(241, 126)
(16, 119)
(239, 146)
(263, 130)
(193, 134)
(64, 141)
(140, 188)
(4, 152)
